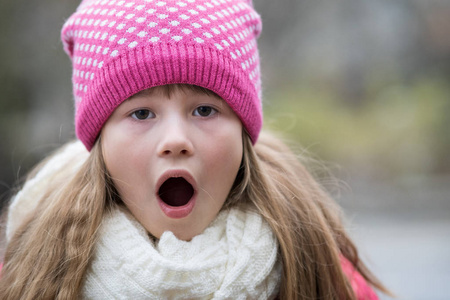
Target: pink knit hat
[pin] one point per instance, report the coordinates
(119, 48)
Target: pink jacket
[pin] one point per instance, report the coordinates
(362, 289)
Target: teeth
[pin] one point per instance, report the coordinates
(176, 191)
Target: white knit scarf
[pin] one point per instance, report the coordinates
(234, 258)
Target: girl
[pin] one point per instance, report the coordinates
(171, 192)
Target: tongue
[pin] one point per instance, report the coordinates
(176, 191)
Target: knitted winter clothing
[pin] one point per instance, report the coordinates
(119, 48)
(234, 258)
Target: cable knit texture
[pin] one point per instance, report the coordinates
(234, 258)
(119, 48)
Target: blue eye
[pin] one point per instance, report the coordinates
(204, 111)
(142, 114)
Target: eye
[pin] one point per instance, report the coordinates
(142, 114)
(204, 111)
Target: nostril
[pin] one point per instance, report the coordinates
(183, 152)
(171, 147)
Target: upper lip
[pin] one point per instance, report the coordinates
(176, 173)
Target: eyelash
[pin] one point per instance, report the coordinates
(134, 116)
(212, 112)
(149, 114)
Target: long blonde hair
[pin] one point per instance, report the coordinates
(48, 256)
(306, 221)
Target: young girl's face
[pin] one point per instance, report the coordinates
(173, 159)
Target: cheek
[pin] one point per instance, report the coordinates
(122, 161)
(227, 155)
(113, 153)
(224, 158)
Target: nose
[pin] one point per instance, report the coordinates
(175, 140)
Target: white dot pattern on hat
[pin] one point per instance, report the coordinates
(126, 24)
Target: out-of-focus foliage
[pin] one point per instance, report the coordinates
(35, 95)
(396, 131)
(362, 83)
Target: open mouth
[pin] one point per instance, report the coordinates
(176, 191)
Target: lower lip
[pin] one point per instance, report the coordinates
(177, 212)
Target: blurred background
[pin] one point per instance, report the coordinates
(362, 85)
